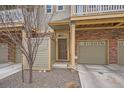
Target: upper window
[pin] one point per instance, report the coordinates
(60, 8)
(48, 9)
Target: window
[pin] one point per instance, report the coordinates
(7, 7)
(48, 9)
(60, 8)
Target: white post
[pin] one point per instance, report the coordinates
(24, 62)
(72, 44)
(73, 10)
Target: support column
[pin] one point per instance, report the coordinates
(72, 45)
(24, 61)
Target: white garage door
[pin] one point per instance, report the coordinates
(92, 52)
(3, 53)
(121, 52)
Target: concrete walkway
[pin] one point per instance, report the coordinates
(101, 76)
(8, 69)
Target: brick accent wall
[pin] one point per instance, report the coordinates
(11, 53)
(11, 48)
(113, 51)
(111, 35)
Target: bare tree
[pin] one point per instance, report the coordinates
(24, 19)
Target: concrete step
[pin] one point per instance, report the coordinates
(60, 65)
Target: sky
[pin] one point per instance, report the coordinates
(62, 2)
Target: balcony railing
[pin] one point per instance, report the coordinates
(94, 9)
(14, 15)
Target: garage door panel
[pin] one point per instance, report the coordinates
(3, 53)
(121, 52)
(92, 52)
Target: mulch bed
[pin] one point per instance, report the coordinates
(57, 78)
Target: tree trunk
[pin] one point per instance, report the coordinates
(22, 74)
(30, 75)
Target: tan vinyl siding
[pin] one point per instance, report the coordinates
(42, 58)
(45, 18)
(53, 51)
(59, 15)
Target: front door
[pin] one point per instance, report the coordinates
(62, 49)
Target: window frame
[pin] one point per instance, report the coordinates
(48, 8)
(58, 8)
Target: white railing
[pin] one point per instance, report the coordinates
(14, 15)
(92, 9)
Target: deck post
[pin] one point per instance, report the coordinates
(23, 57)
(23, 42)
(73, 10)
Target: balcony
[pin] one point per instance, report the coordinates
(12, 18)
(82, 10)
(8, 16)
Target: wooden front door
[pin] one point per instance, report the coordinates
(62, 49)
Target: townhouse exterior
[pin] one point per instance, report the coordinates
(93, 34)
(44, 56)
(82, 34)
(9, 53)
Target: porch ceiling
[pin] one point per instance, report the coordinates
(104, 23)
(11, 29)
(115, 22)
(97, 16)
(60, 27)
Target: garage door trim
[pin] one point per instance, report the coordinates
(118, 50)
